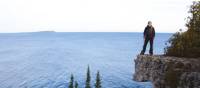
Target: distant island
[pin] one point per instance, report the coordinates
(47, 31)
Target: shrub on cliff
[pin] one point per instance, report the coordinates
(187, 44)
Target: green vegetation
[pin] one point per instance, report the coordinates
(88, 79)
(187, 44)
(76, 84)
(71, 83)
(98, 80)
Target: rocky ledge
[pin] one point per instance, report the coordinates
(168, 72)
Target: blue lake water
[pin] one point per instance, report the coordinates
(47, 59)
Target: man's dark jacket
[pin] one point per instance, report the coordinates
(149, 32)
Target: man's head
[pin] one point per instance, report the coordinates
(149, 23)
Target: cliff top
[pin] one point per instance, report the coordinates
(193, 63)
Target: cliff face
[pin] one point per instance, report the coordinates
(168, 72)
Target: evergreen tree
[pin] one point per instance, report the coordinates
(71, 83)
(98, 81)
(187, 44)
(88, 78)
(76, 84)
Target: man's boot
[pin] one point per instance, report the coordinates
(151, 53)
(142, 53)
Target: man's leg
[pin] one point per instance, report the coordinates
(151, 47)
(144, 46)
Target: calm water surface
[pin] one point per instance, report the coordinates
(47, 59)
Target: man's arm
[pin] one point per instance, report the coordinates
(153, 32)
(144, 33)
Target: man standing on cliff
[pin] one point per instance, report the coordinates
(149, 34)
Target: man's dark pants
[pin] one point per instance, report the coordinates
(145, 45)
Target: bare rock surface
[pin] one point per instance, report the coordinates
(168, 72)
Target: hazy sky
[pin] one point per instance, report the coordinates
(92, 15)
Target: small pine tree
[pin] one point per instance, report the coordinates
(71, 83)
(76, 84)
(88, 78)
(98, 80)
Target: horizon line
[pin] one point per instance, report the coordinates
(81, 32)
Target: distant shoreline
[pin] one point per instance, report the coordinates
(76, 32)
